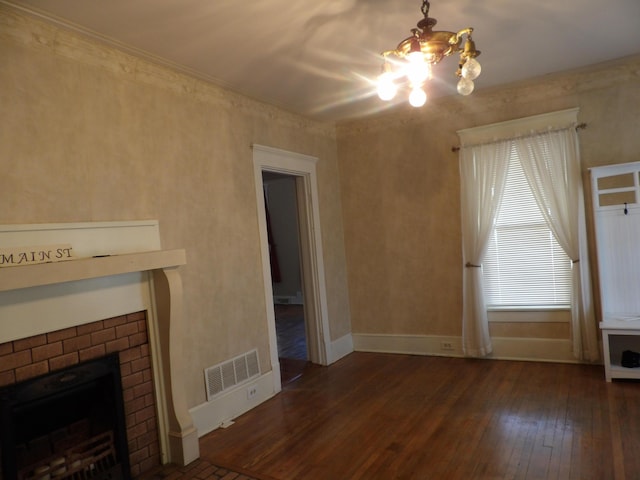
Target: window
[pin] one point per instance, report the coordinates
(524, 266)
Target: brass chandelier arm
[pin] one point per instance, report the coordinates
(465, 31)
(438, 44)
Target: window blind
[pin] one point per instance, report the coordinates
(524, 265)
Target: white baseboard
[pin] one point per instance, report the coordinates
(288, 299)
(341, 348)
(408, 344)
(221, 410)
(527, 349)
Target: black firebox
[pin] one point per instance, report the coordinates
(68, 424)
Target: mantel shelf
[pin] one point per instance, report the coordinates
(13, 278)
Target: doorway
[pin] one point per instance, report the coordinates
(281, 212)
(302, 170)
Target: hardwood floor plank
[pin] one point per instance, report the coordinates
(624, 424)
(562, 439)
(382, 416)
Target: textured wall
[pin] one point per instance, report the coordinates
(93, 134)
(400, 192)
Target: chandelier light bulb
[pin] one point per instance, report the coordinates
(465, 86)
(386, 86)
(417, 69)
(417, 98)
(471, 69)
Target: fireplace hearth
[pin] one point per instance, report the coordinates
(69, 423)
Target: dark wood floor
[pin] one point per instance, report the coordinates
(377, 416)
(290, 332)
(292, 341)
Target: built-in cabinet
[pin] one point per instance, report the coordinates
(616, 207)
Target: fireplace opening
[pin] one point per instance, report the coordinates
(67, 424)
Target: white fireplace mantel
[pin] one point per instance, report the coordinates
(13, 278)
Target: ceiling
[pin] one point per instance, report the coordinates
(318, 58)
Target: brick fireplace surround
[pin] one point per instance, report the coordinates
(127, 334)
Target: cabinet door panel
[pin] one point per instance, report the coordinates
(619, 261)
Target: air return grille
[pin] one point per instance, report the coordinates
(231, 373)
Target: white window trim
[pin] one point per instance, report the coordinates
(518, 127)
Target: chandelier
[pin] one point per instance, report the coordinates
(417, 54)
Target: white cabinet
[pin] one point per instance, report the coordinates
(616, 207)
(618, 336)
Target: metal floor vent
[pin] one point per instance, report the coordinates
(236, 371)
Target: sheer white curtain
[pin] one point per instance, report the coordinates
(483, 172)
(551, 163)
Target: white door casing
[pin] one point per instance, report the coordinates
(303, 167)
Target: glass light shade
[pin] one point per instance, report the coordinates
(386, 87)
(417, 97)
(471, 69)
(465, 86)
(417, 69)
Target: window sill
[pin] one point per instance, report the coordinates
(524, 308)
(529, 315)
